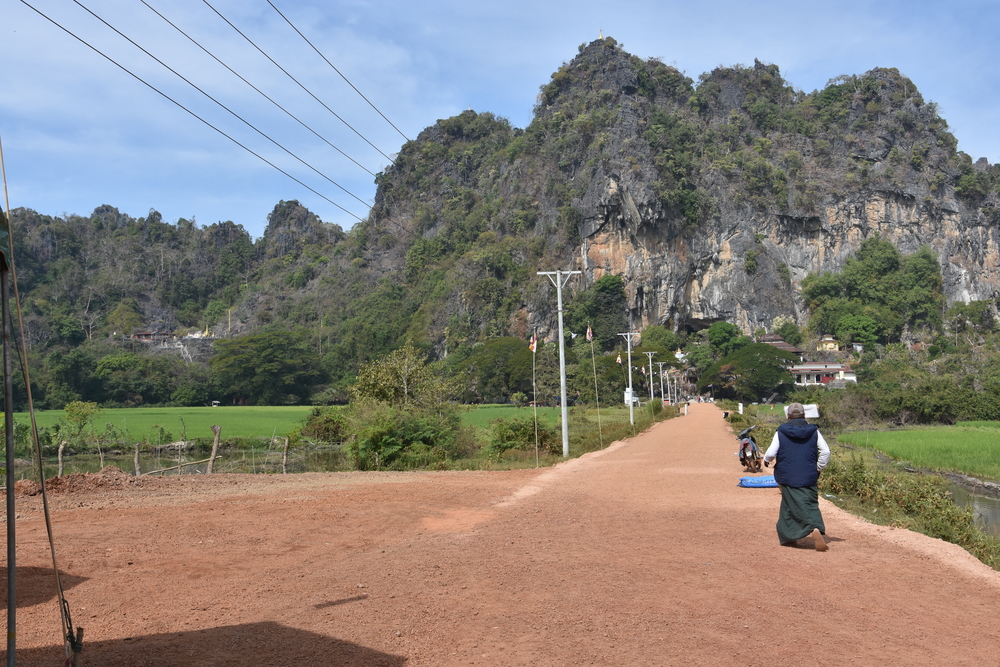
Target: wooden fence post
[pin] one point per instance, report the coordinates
(216, 429)
(62, 446)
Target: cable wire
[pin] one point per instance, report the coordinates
(72, 643)
(295, 80)
(170, 99)
(246, 122)
(399, 227)
(262, 93)
(337, 70)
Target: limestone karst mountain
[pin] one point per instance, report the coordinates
(713, 200)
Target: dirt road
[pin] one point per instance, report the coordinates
(644, 554)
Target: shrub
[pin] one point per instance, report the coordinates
(387, 436)
(519, 433)
(326, 425)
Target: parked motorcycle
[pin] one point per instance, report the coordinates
(750, 455)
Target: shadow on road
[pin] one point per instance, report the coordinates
(264, 643)
(36, 585)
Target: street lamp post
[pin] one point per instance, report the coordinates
(661, 364)
(559, 279)
(631, 396)
(650, 355)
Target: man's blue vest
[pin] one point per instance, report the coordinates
(797, 454)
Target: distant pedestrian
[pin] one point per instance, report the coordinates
(802, 454)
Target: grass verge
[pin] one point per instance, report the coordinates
(865, 486)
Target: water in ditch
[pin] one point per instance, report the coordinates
(986, 509)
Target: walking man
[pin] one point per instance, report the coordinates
(803, 455)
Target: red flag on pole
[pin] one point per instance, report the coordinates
(590, 333)
(534, 343)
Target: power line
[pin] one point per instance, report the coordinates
(296, 80)
(263, 94)
(399, 227)
(170, 99)
(337, 70)
(247, 123)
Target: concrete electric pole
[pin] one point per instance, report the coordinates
(630, 395)
(559, 279)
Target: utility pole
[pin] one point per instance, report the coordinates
(631, 396)
(559, 279)
(8, 408)
(650, 355)
(661, 364)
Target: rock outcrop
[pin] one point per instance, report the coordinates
(713, 201)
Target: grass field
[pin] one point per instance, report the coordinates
(980, 424)
(482, 415)
(973, 450)
(236, 421)
(249, 421)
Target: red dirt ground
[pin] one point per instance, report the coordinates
(644, 554)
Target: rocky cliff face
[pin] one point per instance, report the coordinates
(713, 200)
(706, 278)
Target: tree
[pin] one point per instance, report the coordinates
(974, 316)
(857, 329)
(789, 332)
(123, 319)
(80, 414)
(698, 352)
(612, 379)
(269, 368)
(497, 369)
(660, 336)
(402, 378)
(130, 380)
(402, 411)
(70, 376)
(214, 312)
(521, 433)
(881, 284)
(386, 435)
(604, 307)
(548, 387)
(726, 338)
(750, 373)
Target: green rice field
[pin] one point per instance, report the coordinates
(248, 421)
(262, 421)
(972, 448)
(236, 421)
(482, 415)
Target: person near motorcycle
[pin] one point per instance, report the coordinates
(803, 454)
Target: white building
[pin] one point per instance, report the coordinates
(813, 373)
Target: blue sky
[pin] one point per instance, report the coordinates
(79, 132)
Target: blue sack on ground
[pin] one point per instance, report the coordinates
(767, 481)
